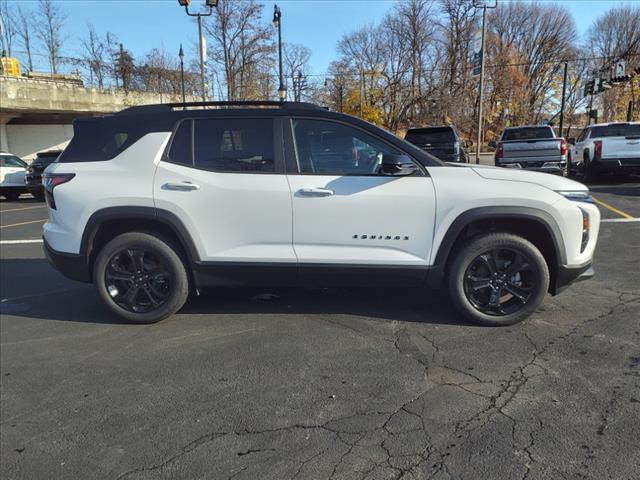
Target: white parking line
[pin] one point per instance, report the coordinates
(19, 242)
(620, 220)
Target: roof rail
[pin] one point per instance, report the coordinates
(163, 107)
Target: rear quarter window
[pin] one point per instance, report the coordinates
(101, 139)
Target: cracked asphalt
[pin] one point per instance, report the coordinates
(319, 384)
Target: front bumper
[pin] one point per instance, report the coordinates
(71, 265)
(568, 275)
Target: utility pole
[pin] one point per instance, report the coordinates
(277, 22)
(181, 55)
(482, 4)
(564, 89)
(209, 4)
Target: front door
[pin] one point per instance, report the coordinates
(347, 216)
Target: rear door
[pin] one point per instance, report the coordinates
(347, 216)
(224, 179)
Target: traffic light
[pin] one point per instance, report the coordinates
(589, 87)
(603, 85)
(621, 79)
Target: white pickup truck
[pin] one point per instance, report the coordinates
(532, 147)
(606, 148)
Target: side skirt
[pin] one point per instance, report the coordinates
(216, 274)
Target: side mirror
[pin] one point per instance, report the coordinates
(493, 144)
(571, 141)
(469, 143)
(399, 165)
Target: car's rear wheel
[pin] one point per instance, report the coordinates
(141, 277)
(590, 175)
(498, 279)
(11, 196)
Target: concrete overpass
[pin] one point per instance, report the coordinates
(36, 114)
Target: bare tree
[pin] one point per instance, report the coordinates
(8, 29)
(95, 55)
(24, 31)
(616, 36)
(50, 22)
(242, 47)
(541, 36)
(296, 60)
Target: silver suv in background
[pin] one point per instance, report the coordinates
(532, 147)
(606, 148)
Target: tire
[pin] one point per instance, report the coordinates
(470, 271)
(157, 282)
(38, 196)
(569, 169)
(11, 197)
(589, 175)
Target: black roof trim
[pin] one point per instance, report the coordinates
(167, 107)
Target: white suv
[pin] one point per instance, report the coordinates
(157, 202)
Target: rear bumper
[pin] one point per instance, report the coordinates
(537, 166)
(617, 165)
(568, 275)
(73, 266)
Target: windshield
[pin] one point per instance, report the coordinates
(616, 130)
(430, 135)
(527, 133)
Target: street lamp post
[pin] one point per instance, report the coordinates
(277, 16)
(181, 55)
(482, 4)
(209, 4)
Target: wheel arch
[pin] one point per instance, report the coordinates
(107, 223)
(533, 224)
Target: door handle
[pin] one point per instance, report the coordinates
(181, 186)
(316, 192)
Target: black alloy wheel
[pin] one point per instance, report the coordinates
(500, 281)
(138, 280)
(498, 278)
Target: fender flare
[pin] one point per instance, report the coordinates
(437, 271)
(164, 217)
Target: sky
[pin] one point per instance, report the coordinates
(318, 24)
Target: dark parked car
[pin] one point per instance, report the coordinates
(441, 142)
(33, 179)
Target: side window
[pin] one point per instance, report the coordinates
(180, 151)
(234, 145)
(331, 148)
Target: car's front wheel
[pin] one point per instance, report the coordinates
(498, 279)
(141, 277)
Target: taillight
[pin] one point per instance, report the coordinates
(563, 147)
(597, 148)
(500, 150)
(51, 181)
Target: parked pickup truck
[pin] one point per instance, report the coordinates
(532, 148)
(606, 148)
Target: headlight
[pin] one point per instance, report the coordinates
(577, 195)
(586, 224)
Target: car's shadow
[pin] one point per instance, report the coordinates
(33, 289)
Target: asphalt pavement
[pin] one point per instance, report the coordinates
(328, 383)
